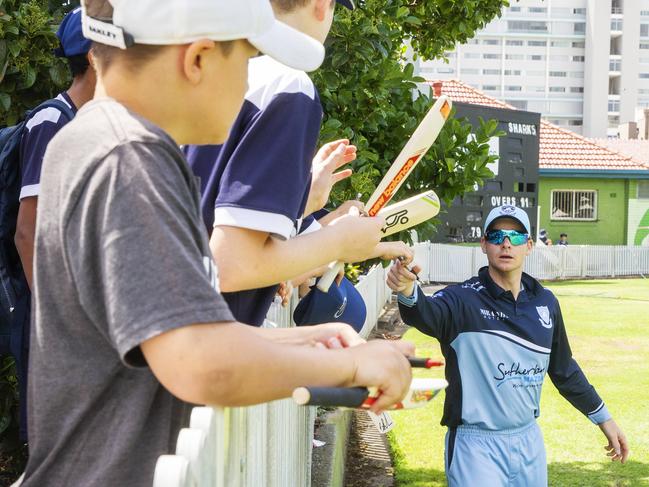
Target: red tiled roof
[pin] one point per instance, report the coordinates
(636, 148)
(558, 148)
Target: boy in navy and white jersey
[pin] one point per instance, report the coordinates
(41, 126)
(258, 187)
(500, 333)
(45, 123)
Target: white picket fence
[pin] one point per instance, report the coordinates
(268, 445)
(454, 263)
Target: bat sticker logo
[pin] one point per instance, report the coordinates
(394, 184)
(400, 218)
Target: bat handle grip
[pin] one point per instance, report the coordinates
(327, 279)
(349, 397)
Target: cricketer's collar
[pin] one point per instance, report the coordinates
(530, 287)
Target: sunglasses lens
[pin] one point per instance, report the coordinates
(495, 237)
(518, 238)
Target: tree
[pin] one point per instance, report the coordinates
(29, 72)
(369, 93)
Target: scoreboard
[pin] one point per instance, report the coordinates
(516, 174)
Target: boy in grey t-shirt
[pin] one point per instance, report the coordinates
(128, 325)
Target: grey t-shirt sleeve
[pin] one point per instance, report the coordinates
(137, 250)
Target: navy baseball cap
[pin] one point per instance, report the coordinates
(342, 304)
(70, 35)
(347, 3)
(508, 211)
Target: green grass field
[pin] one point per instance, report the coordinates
(608, 327)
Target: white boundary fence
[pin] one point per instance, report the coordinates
(268, 445)
(454, 263)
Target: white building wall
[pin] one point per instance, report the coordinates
(553, 56)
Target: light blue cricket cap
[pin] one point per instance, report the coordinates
(508, 211)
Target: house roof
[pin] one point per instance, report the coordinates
(559, 149)
(638, 149)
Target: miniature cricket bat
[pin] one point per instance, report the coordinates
(421, 392)
(421, 140)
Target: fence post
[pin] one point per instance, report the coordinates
(582, 260)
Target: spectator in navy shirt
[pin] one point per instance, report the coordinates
(500, 333)
(40, 128)
(260, 185)
(43, 126)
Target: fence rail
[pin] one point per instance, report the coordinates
(453, 263)
(266, 445)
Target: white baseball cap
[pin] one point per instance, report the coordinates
(508, 211)
(171, 22)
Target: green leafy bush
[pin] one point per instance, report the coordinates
(29, 72)
(369, 93)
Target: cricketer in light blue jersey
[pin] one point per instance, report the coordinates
(501, 332)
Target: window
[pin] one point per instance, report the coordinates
(514, 9)
(491, 42)
(558, 74)
(644, 13)
(613, 106)
(560, 44)
(579, 45)
(557, 89)
(513, 88)
(579, 11)
(512, 42)
(580, 28)
(643, 190)
(579, 59)
(644, 45)
(644, 75)
(537, 43)
(536, 57)
(471, 55)
(537, 10)
(536, 89)
(574, 205)
(614, 65)
(512, 72)
(576, 74)
(472, 41)
(515, 57)
(616, 24)
(491, 56)
(489, 87)
(576, 89)
(644, 30)
(445, 70)
(527, 26)
(491, 71)
(575, 123)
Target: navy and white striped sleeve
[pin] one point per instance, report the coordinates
(432, 315)
(39, 131)
(267, 176)
(569, 379)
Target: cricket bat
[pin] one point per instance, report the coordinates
(421, 392)
(410, 212)
(421, 140)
